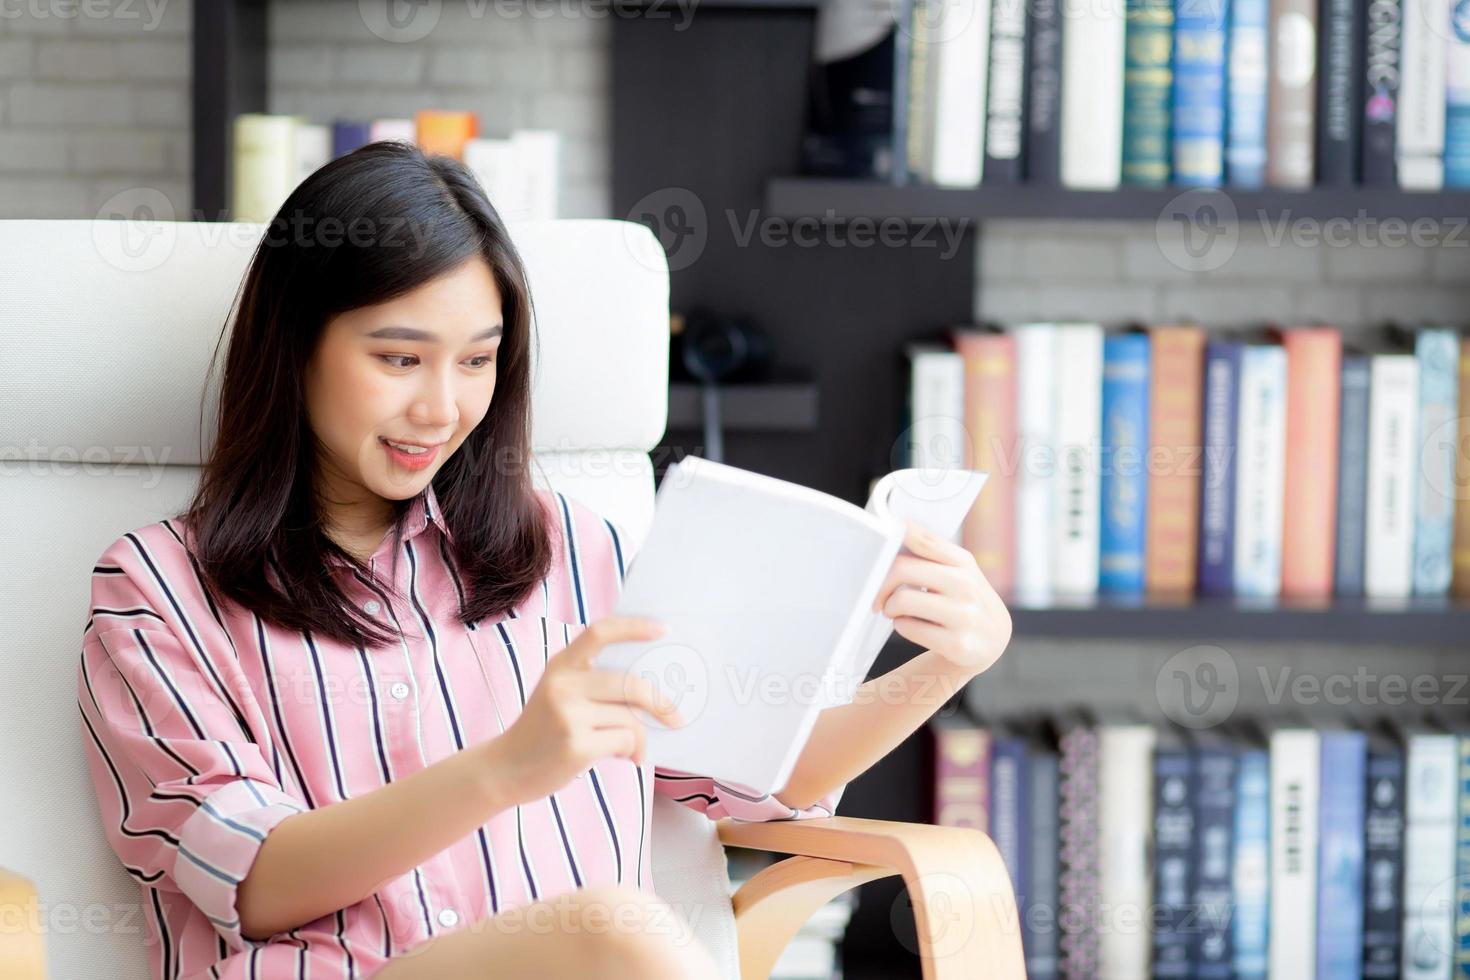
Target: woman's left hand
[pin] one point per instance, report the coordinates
(949, 608)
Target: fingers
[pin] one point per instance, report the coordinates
(619, 687)
(926, 544)
(929, 606)
(598, 634)
(918, 572)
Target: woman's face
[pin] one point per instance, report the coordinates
(419, 371)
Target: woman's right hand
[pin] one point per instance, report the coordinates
(578, 714)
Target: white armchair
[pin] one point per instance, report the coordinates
(106, 330)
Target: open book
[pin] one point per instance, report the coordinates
(767, 590)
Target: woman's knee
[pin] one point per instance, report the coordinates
(639, 933)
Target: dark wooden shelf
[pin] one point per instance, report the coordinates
(778, 406)
(793, 197)
(1413, 622)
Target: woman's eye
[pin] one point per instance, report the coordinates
(483, 359)
(392, 358)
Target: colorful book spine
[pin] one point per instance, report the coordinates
(1215, 771)
(902, 47)
(1261, 476)
(1217, 489)
(1124, 474)
(1245, 142)
(1462, 860)
(1352, 478)
(1430, 788)
(1147, 77)
(1295, 784)
(1035, 485)
(961, 51)
(1092, 97)
(1043, 153)
(1421, 102)
(1383, 859)
(444, 132)
(1077, 835)
(1039, 897)
(1339, 92)
(935, 426)
(961, 772)
(1005, 114)
(1460, 583)
(1008, 816)
(1457, 102)
(990, 420)
(1438, 355)
(348, 135)
(913, 158)
(1383, 36)
(1309, 515)
(1200, 31)
(1176, 391)
(1250, 873)
(1340, 856)
(1078, 380)
(1125, 793)
(1388, 547)
(1292, 98)
(1173, 861)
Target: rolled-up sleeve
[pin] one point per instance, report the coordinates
(186, 797)
(718, 799)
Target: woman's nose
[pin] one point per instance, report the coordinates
(436, 404)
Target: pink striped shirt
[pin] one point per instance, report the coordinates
(205, 727)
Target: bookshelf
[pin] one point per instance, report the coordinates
(842, 313)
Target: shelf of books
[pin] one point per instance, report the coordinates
(1274, 484)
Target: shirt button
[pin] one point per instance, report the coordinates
(371, 607)
(448, 918)
(399, 691)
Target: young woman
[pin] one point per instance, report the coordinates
(341, 713)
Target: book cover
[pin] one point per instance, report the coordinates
(1313, 388)
(1393, 406)
(1174, 847)
(444, 132)
(1383, 35)
(1124, 472)
(913, 126)
(935, 428)
(1246, 92)
(1462, 858)
(960, 47)
(901, 100)
(1292, 94)
(1261, 476)
(1437, 352)
(1383, 857)
(1005, 114)
(265, 170)
(1200, 68)
(1043, 153)
(1352, 478)
(1078, 380)
(1339, 92)
(1340, 856)
(1147, 77)
(989, 532)
(961, 761)
(349, 134)
(1176, 391)
(1457, 101)
(1217, 486)
(1009, 817)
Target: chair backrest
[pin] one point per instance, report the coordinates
(106, 331)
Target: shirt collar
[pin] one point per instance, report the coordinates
(422, 512)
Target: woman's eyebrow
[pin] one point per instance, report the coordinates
(413, 333)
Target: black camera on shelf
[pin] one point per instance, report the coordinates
(716, 348)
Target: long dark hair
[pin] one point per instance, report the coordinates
(367, 227)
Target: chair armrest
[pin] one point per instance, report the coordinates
(964, 909)
(22, 945)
